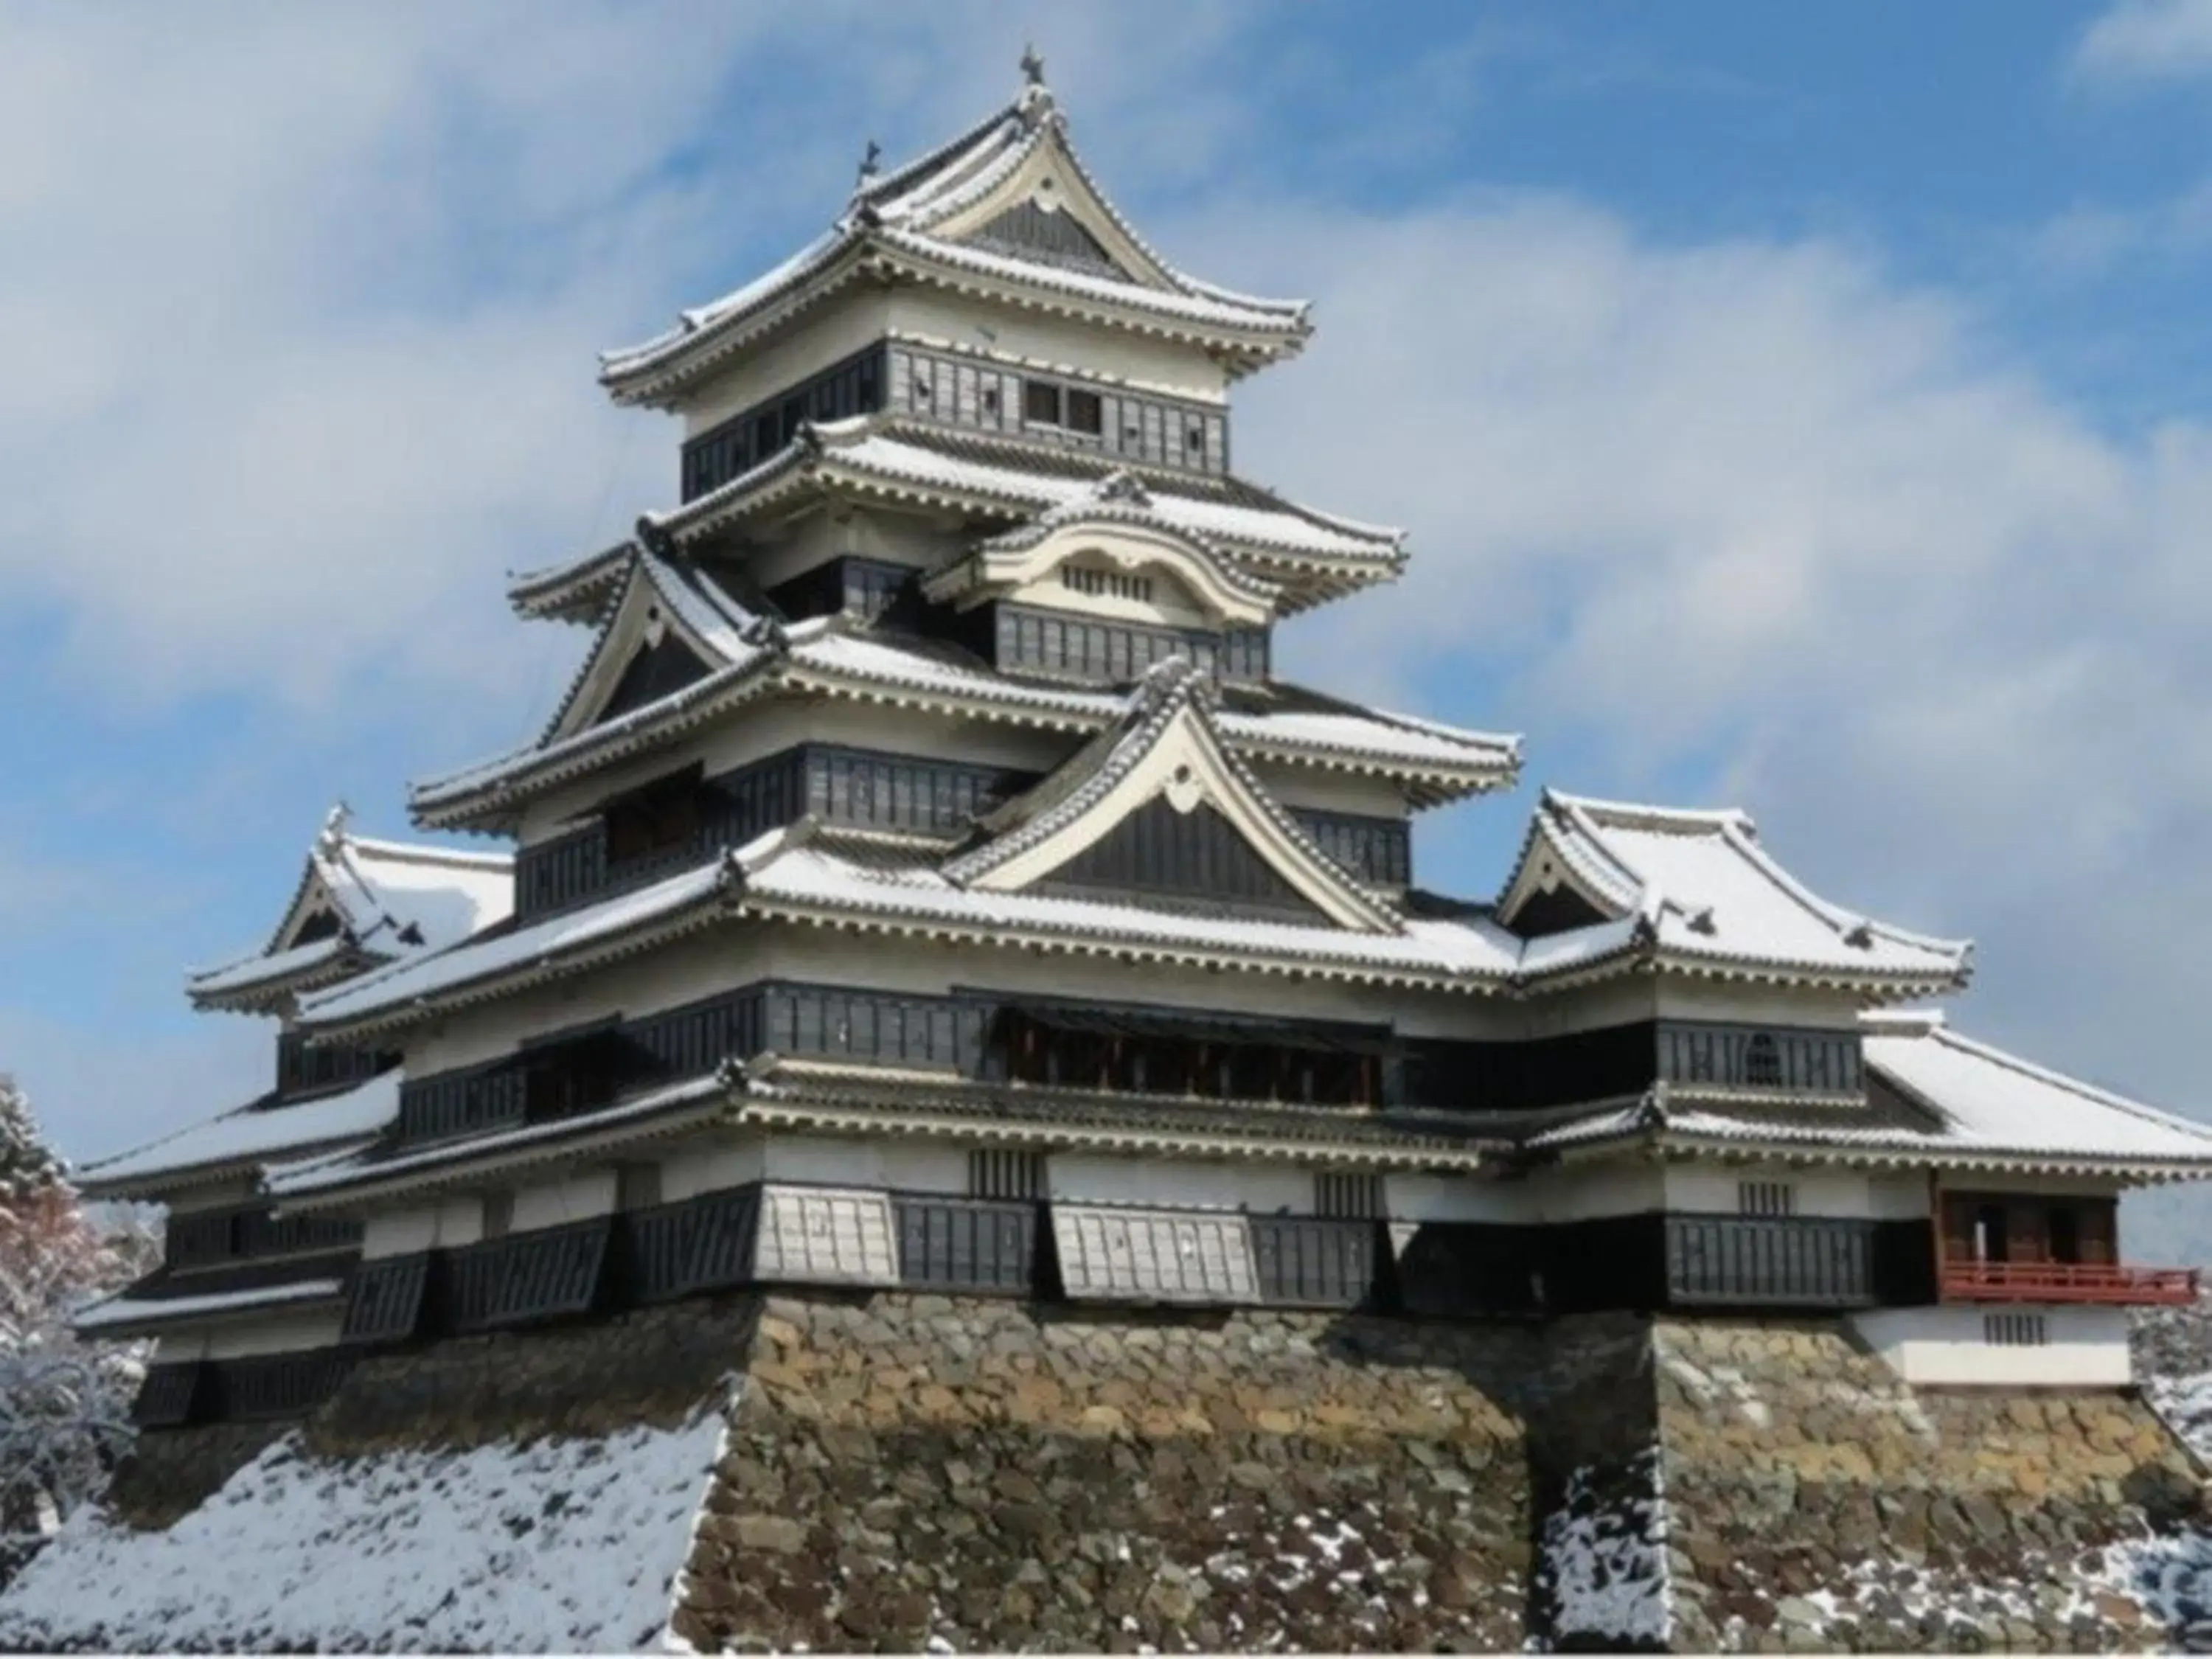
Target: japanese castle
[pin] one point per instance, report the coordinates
(926, 881)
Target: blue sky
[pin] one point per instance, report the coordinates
(1801, 406)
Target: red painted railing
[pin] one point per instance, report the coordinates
(2067, 1281)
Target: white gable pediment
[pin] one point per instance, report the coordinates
(1113, 566)
(1047, 209)
(643, 622)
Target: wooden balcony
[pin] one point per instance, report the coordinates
(2069, 1281)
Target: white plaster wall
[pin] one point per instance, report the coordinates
(179, 1348)
(1755, 1005)
(243, 1339)
(1712, 1187)
(1330, 792)
(1455, 1198)
(1180, 1184)
(833, 330)
(710, 1167)
(574, 1197)
(1033, 340)
(823, 1161)
(1946, 1346)
(449, 1222)
(1898, 1196)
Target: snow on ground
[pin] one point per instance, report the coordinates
(1604, 1560)
(556, 1545)
(2185, 1403)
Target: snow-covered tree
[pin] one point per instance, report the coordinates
(65, 1404)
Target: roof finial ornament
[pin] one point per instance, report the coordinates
(872, 154)
(334, 827)
(1032, 64)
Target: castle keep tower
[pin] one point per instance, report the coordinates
(927, 881)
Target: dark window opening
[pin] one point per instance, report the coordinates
(1194, 437)
(1762, 1062)
(2065, 1224)
(1085, 412)
(1992, 1241)
(1040, 402)
(320, 925)
(664, 815)
(1027, 1049)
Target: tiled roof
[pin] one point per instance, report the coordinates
(897, 219)
(1705, 891)
(1935, 1098)
(390, 899)
(753, 659)
(248, 1138)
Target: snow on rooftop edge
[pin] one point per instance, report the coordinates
(559, 1546)
(246, 1133)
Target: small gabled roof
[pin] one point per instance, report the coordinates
(357, 903)
(1701, 890)
(1166, 747)
(940, 219)
(1116, 516)
(894, 458)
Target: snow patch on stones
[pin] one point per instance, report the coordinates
(553, 1546)
(1603, 1560)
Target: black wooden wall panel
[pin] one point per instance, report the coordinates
(694, 1244)
(1904, 1263)
(542, 1274)
(966, 1244)
(388, 1299)
(303, 1068)
(1197, 855)
(854, 387)
(1456, 1268)
(1307, 1262)
(1372, 849)
(169, 1397)
(1797, 1262)
(655, 671)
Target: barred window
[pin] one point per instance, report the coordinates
(1765, 1198)
(1352, 1197)
(999, 1172)
(2015, 1330)
(1762, 1061)
(1087, 579)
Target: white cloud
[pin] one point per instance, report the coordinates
(1758, 515)
(2138, 40)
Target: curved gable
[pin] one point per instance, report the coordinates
(1168, 791)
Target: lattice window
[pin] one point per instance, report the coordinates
(1765, 1198)
(1762, 1061)
(998, 1172)
(2015, 1330)
(1352, 1197)
(1112, 584)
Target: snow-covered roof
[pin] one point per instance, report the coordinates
(920, 222)
(1956, 1102)
(749, 658)
(1169, 723)
(127, 1312)
(807, 874)
(895, 457)
(657, 1111)
(549, 1544)
(247, 1139)
(382, 899)
(1990, 1100)
(1704, 890)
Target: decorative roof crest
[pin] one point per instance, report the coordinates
(331, 836)
(1123, 485)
